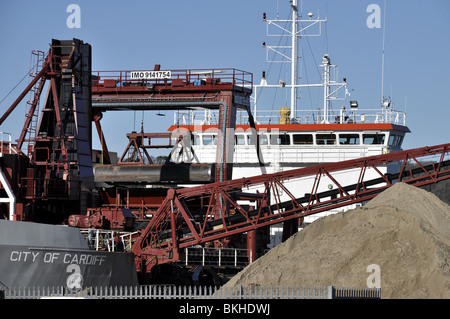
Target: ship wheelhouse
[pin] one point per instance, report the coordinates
(283, 147)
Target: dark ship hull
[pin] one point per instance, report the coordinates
(37, 255)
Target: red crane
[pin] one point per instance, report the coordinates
(219, 213)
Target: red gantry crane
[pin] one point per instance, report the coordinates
(219, 213)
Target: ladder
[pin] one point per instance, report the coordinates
(32, 106)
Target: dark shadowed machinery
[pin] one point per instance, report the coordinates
(54, 178)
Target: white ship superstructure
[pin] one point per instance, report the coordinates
(290, 138)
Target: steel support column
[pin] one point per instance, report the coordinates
(225, 142)
(105, 153)
(251, 245)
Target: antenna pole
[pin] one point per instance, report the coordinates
(295, 32)
(294, 60)
(326, 86)
(382, 55)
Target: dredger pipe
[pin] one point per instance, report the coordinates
(154, 173)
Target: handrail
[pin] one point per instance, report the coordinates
(124, 79)
(103, 239)
(219, 257)
(262, 117)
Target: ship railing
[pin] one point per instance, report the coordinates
(216, 257)
(108, 240)
(167, 79)
(354, 115)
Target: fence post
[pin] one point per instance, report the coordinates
(330, 292)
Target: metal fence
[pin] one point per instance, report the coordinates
(216, 257)
(107, 240)
(191, 292)
(340, 116)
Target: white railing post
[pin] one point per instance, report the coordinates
(96, 239)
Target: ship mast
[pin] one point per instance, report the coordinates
(294, 58)
(300, 28)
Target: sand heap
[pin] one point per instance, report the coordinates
(404, 230)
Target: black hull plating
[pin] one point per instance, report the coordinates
(28, 257)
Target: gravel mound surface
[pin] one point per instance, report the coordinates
(404, 230)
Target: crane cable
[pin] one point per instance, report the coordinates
(27, 74)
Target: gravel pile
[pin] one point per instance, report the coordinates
(404, 230)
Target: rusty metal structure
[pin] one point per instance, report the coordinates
(224, 89)
(60, 149)
(56, 172)
(55, 181)
(220, 214)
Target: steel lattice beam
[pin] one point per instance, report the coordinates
(177, 223)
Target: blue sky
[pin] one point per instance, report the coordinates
(130, 35)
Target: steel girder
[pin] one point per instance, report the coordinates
(201, 214)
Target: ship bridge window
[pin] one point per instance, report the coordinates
(240, 139)
(349, 139)
(195, 139)
(209, 139)
(373, 138)
(395, 140)
(326, 139)
(263, 140)
(251, 139)
(302, 139)
(280, 139)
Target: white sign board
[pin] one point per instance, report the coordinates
(150, 75)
